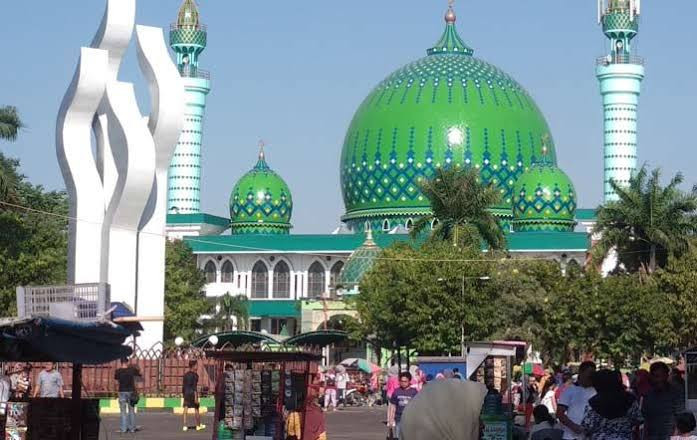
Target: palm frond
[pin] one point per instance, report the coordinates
(10, 123)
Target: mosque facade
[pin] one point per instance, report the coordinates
(448, 109)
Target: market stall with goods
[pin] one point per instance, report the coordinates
(52, 340)
(261, 394)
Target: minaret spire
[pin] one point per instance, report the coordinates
(188, 38)
(620, 73)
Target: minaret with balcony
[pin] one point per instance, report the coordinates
(620, 74)
(188, 40)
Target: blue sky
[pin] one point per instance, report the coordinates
(293, 73)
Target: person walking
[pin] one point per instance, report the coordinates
(315, 428)
(567, 380)
(330, 390)
(191, 400)
(612, 413)
(662, 404)
(342, 379)
(547, 395)
(399, 400)
(531, 399)
(574, 401)
(126, 378)
(50, 383)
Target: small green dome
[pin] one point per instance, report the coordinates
(448, 109)
(360, 261)
(545, 199)
(261, 202)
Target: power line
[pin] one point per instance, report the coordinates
(280, 251)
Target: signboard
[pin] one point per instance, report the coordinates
(495, 429)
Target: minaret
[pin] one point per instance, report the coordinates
(620, 74)
(187, 38)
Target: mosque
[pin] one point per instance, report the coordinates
(447, 109)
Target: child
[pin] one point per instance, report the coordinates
(684, 426)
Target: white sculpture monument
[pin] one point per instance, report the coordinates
(118, 195)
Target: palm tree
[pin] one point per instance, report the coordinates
(648, 222)
(460, 205)
(226, 307)
(9, 128)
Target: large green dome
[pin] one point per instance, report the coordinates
(447, 109)
(545, 199)
(261, 202)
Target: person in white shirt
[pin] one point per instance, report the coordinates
(342, 379)
(572, 404)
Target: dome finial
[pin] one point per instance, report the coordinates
(262, 144)
(450, 16)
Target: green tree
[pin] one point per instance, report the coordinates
(33, 239)
(647, 223)
(677, 285)
(460, 205)
(185, 302)
(426, 298)
(224, 309)
(10, 124)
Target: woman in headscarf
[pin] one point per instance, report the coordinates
(314, 428)
(444, 410)
(612, 413)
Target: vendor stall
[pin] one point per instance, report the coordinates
(256, 391)
(56, 340)
(691, 379)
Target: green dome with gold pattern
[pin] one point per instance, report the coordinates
(447, 109)
(261, 202)
(545, 199)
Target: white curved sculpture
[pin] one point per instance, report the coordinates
(165, 124)
(119, 195)
(133, 151)
(74, 151)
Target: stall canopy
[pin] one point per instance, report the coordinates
(56, 340)
(477, 352)
(318, 338)
(236, 338)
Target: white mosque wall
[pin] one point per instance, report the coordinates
(242, 278)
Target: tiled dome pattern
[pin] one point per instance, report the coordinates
(545, 200)
(447, 109)
(261, 202)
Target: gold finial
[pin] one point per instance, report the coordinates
(262, 144)
(450, 16)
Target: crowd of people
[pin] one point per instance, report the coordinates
(604, 404)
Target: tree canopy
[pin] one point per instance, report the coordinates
(648, 223)
(33, 244)
(185, 301)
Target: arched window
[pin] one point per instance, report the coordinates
(334, 275)
(410, 224)
(210, 272)
(227, 272)
(260, 280)
(386, 225)
(434, 223)
(281, 280)
(315, 280)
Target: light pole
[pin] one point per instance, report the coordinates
(462, 320)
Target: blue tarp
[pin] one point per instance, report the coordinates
(42, 339)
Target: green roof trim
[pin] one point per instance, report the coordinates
(200, 218)
(259, 244)
(318, 338)
(347, 243)
(236, 338)
(548, 241)
(586, 214)
(274, 308)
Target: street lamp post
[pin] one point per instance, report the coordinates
(463, 349)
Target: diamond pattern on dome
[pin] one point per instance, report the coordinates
(261, 202)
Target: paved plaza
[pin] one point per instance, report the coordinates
(349, 424)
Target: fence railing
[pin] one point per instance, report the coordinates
(198, 27)
(194, 72)
(619, 59)
(81, 302)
